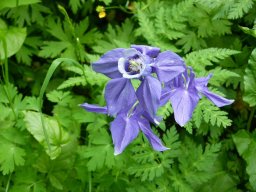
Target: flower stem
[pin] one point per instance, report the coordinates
(250, 119)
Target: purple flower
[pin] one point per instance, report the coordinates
(126, 126)
(185, 91)
(137, 62)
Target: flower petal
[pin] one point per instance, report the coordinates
(216, 99)
(168, 65)
(183, 103)
(108, 63)
(201, 86)
(148, 94)
(124, 130)
(152, 138)
(119, 95)
(202, 82)
(165, 95)
(147, 50)
(94, 108)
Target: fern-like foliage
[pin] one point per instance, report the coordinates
(118, 36)
(195, 164)
(86, 77)
(68, 39)
(232, 9)
(159, 162)
(206, 57)
(209, 118)
(224, 76)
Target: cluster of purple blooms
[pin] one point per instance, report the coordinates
(163, 77)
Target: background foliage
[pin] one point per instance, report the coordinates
(48, 143)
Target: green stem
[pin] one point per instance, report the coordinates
(119, 7)
(90, 174)
(75, 38)
(6, 71)
(250, 119)
(9, 99)
(90, 182)
(8, 183)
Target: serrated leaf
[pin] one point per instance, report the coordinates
(250, 81)
(215, 116)
(220, 76)
(10, 156)
(75, 5)
(73, 81)
(54, 49)
(239, 8)
(205, 57)
(101, 153)
(147, 171)
(59, 96)
(118, 36)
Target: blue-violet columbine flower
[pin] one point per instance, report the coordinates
(138, 62)
(184, 93)
(135, 109)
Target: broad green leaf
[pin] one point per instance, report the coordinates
(57, 137)
(246, 146)
(250, 81)
(15, 3)
(13, 38)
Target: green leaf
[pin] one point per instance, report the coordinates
(59, 96)
(107, 2)
(73, 81)
(249, 31)
(75, 5)
(58, 138)
(220, 76)
(55, 182)
(239, 8)
(246, 146)
(14, 3)
(26, 180)
(206, 57)
(101, 153)
(214, 115)
(13, 38)
(118, 36)
(250, 81)
(10, 156)
(148, 171)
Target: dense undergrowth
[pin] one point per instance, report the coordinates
(48, 143)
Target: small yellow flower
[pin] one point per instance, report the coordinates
(102, 15)
(101, 11)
